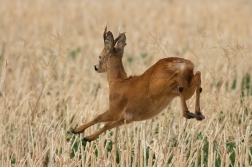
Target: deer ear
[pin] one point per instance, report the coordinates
(120, 43)
(108, 41)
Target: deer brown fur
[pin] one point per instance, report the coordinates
(142, 97)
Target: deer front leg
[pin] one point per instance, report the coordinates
(107, 126)
(197, 83)
(105, 117)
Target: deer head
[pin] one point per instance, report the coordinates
(110, 50)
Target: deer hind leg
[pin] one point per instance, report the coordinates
(197, 83)
(107, 126)
(105, 117)
(186, 113)
(181, 85)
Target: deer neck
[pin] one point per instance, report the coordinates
(115, 71)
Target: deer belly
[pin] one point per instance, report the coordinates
(146, 111)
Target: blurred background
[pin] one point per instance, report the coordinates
(48, 84)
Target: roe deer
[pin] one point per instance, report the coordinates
(137, 98)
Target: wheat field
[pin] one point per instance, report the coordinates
(48, 84)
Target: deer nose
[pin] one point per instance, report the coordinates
(95, 67)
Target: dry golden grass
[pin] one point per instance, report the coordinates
(48, 85)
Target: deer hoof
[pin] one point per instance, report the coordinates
(74, 132)
(86, 139)
(189, 115)
(199, 116)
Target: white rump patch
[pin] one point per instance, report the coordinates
(181, 66)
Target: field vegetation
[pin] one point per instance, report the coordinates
(48, 84)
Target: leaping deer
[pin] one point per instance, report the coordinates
(137, 98)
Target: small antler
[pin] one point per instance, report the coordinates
(105, 33)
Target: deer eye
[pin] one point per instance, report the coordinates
(99, 57)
